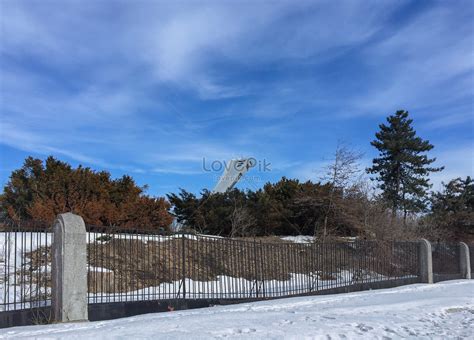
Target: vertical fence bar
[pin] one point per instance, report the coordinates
(22, 271)
(208, 276)
(288, 274)
(232, 267)
(183, 254)
(221, 267)
(255, 266)
(284, 254)
(294, 269)
(14, 273)
(262, 267)
(32, 269)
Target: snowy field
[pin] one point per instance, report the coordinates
(440, 311)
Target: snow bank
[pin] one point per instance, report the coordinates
(145, 238)
(310, 239)
(227, 287)
(443, 310)
(298, 239)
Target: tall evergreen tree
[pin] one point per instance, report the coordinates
(402, 167)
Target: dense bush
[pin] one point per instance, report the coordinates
(288, 207)
(40, 191)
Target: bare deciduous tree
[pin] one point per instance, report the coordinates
(341, 173)
(242, 221)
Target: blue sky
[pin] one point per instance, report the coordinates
(151, 88)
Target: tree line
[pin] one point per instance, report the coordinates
(396, 202)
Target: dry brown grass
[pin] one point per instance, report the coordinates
(132, 264)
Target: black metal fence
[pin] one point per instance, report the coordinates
(446, 261)
(140, 266)
(25, 266)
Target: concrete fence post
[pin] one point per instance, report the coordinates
(425, 262)
(465, 260)
(69, 269)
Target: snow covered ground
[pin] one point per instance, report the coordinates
(227, 287)
(439, 311)
(298, 239)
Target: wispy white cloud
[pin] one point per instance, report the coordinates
(23, 140)
(458, 162)
(178, 171)
(452, 119)
(183, 46)
(418, 62)
(309, 171)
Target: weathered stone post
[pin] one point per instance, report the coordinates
(465, 260)
(69, 269)
(426, 262)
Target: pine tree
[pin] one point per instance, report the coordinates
(402, 167)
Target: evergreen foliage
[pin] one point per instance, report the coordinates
(287, 207)
(402, 167)
(453, 207)
(40, 191)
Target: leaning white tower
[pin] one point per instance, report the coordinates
(232, 174)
